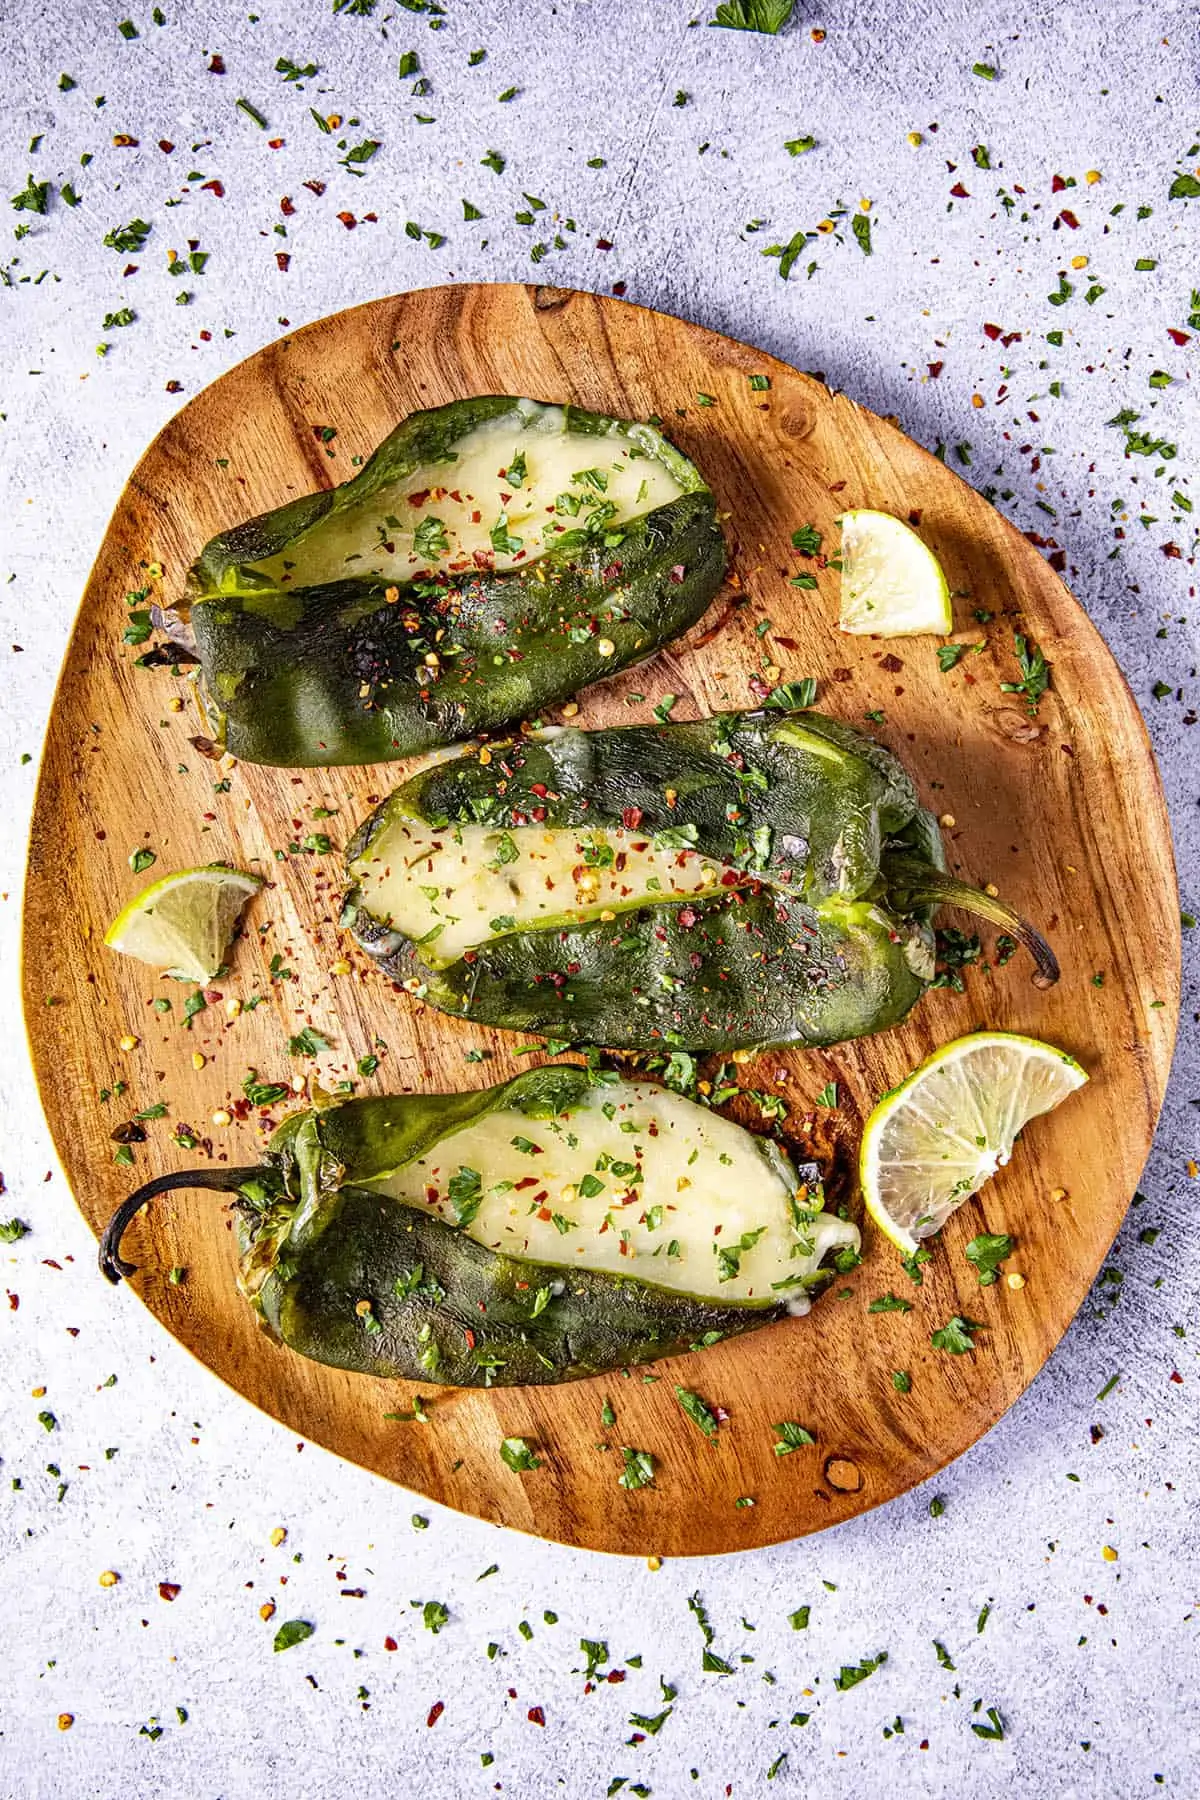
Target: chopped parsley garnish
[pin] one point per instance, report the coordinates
(503, 542)
(852, 1673)
(987, 1252)
(955, 1335)
(791, 1437)
(435, 1615)
(639, 1468)
(729, 1256)
(697, 1411)
(429, 539)
(466, 1194)
(890, 1302)
(766, 16)
(1035, 673)
(517, 1454)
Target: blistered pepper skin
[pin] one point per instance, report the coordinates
(802, 949)
(340, 672)
(357, 1279)
(819, 931)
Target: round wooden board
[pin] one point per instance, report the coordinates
(1070, 824)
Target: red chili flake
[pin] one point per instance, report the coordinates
(1177, 337)
(315, 187)
(287, 206)
(935, 369)
(603, 244)
(536, 1716)
(1058, 185)
(539, 788)
(389, 1643)
(275, 143)
(282, 260)
(435, 1712)
(174, 387)
(14, 1300)
(615, 1675)
(1176, 1376)
(166, 146)
(1069, 219)
(991, 331)
(217, 66)
(469, 1335)
(123, 141)
(959, 191)
(730, 878)
(631, 817)
(618, 288)
(206, 338)
(1171, 550)
(214, 187)
(348, 220)
(167, 1590)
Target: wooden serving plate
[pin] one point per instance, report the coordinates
(1067, 820)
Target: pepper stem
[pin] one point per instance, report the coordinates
(113, 1265)
(912, 882)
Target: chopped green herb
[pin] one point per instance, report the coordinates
(955, 1335)
(987, 1251)
(517, 1454)
(791, 1437)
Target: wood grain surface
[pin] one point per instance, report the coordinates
(1065, 815)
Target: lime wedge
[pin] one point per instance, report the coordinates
(183, 923)
(933, 1141)
(892, 586)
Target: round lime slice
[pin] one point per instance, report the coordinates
(934, 1140)
(183, 923)
(892, 585)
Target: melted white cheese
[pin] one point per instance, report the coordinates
(442, 515)
(636, 1181)
(451, 890)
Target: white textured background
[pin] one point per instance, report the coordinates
(1092, 1663)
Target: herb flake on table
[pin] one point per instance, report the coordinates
(852, 1673)
(765, 16)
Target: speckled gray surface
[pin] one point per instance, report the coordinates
(1090, 1662)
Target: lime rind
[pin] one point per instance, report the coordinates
(182, 924)
(892, 583)
(937, 1138)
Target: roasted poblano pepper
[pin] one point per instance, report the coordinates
(551, 1228)
(753, 878)
(492, 558)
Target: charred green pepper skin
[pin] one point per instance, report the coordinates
(439, 1307)
(468, 1324)
(337, 672)
(801, 948)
